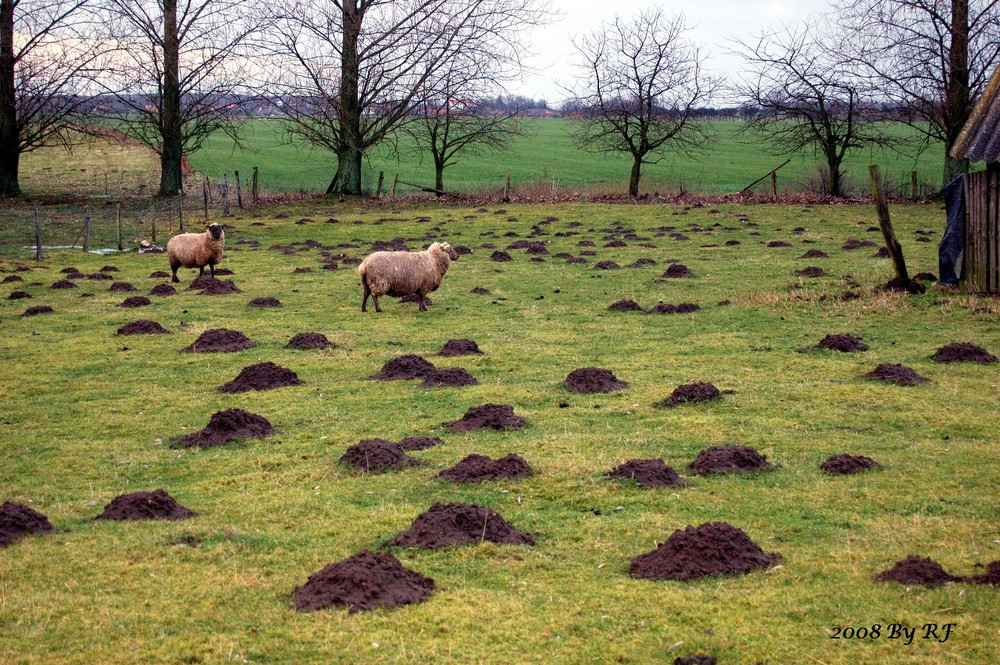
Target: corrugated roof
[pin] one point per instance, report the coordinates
(980, 138)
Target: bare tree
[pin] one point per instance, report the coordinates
(640, 86)
(803, 94)
(179, 75)
(931, 58)
(45, 58)
(355, 70)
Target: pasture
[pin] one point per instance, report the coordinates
(90, 414)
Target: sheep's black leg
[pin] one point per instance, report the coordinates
(365, 292)
(201, 271)
(174, 267)
(423, 301)
(211, 267)
(375, 300)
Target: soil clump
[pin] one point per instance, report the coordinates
(453, 524)
(811, 271)
(678, 270)
(479, 468)
(680, 308)
(310, 340)
(363, 582)
(963, 352)
(212, 286)
(136, 301)
(63, 284)
(895, 373)
(155, 505)
(843, 343)
(262, 376)
(625, 306)
(452, 377)
(376, 455)
(18, 295)
(219, 340)
(699, 391)
(593, 380)
(404, 368)
(163, 290)
(903, 286)
(36, 310)
(488, 416)
(606, 265)
(265, 302)
(122, 287)
(460, 347)
(846, 464)
(729, 459)
(227, 426)
(991, 576)
(500, 257)
(648, 473)
(420, 442)
(19, 521)
(709, 550)
(815, 254)
(914, 570)
(142, 327)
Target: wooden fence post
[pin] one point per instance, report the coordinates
(506, 188)
(204, 195)
(180, 211)
(39, 255)
(254, 190)
(914, 190)
(378, 190)
(392, 189)
(118, 224)
(224, 187)
(239, 191)
(895, 250)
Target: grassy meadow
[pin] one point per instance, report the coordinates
(89, 414)
(547, 161)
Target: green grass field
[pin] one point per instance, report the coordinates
(548, 161)
(89, 415)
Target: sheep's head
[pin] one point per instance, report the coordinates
(215, 231)
(448, 249)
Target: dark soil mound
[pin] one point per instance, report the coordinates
(156, 505)
(309, 340)
(460, 347)
(18, 295)
(404, 368)
(420, 442)
(122, 287)
(846, 464)
(678, 270)
(159, 274)
(914, 570)
(901, 286)
(302, 271)
(63, 284)
(882, 253)
(500, 257)
(142, 327)
(640, 263)
(220, 287)
(451, 377)
(680, 308)
(991, 576)
(226, 426)
(606, 265)
(265, 302)
(699, 391)
(480, 291)
(12, 278)
(625, 306)
(648, 473)
(109, 269)
(363, 582)
(696, 660)
(593, 380)
(852, 243)
(136, 301)
(963, 351)
(815, 254)
(262, 376)
(714, 548)
(374, 455)
(811, 271)
(779, 243)
(479, 468)
(895, 373)
(925, 277)
(843, 343)
(219, 340)
(729, 459)
(36, 310)
(488, 416)
(18, 521)
(163, 290)
(100, 277)
(450, 524)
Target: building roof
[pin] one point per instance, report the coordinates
(980, 138)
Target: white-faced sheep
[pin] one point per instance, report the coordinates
(196, 250)
(400, 274)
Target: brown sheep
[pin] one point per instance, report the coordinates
(400, 274)
(196, 250)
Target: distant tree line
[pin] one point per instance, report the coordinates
(348, 75)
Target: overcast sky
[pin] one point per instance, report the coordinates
(712, 23)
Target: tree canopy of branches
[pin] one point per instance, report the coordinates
(45, 60)
(931, 58)
(353, 71)
(805, 95)
(640, 84)
(178, 75)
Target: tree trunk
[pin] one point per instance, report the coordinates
(633, 182)
(350, 153)
(171, 152)
(958, 104)
(10, 144)
(834, 178)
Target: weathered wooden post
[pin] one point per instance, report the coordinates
(204, 196)
(895, 250)
(774, 185)
(392, 189)
(239, 191)
(506, 188)
(39, 255)
(378, 190)
(180, 210)
(224, 187)
(118, 225)
(254, 191)
(914, 185)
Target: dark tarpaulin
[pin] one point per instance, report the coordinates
(952, 245)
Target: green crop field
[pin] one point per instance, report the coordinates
(90, 414)
(547, 161)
